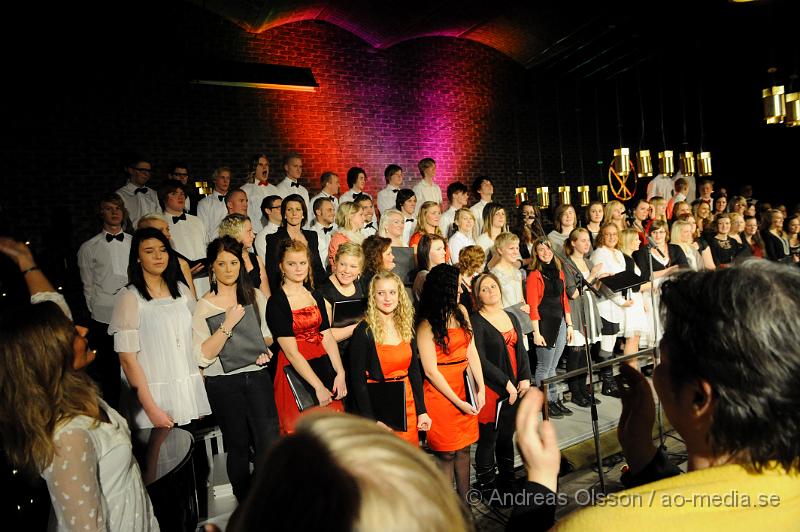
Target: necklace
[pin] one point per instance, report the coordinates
(156, 293)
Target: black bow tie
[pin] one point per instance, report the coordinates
(294, 184)
(395, 190)
(140, 190)
(176, 219)
(326, 230)
(410, 220)
(369, 225)
(221, 198)
(118, 236)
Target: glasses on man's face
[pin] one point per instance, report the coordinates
(144, 170)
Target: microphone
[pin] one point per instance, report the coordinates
(652, 244)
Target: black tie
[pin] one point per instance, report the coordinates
(118, 236)
(176, 219)
(326, 230)
(294, 184)
(221, 198)
(396, 190)
(141, 190)
(369, 225)
(409, 220)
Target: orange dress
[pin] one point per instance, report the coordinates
(395, 360)
(451, 429)
(489, 411)
(305, 324)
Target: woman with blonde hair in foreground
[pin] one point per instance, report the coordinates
(339, 472)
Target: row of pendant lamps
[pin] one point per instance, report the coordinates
(543, 195)
(666, 163)
(781, 108)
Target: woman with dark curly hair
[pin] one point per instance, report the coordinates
(378, 257)
(447, 351)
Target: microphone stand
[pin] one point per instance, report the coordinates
(584, 285)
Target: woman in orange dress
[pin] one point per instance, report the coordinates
(446, 349)
(382, 349)
(299, 323)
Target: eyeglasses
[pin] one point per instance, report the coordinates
(143, 170)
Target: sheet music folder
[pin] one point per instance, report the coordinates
(619, 283)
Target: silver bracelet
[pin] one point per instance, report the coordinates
(225, 331)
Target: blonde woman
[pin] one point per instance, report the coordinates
(350, 220)
(240, 228)
(682, 236)
(465, 234)
(565, 219)
(343, 285)
(659, 206)
(737, 226)
(637, 319)
(703, 217)
(430, 214)
(494, 223)
(615, 213)
(507, 270)
(384, 350)
(699, 243)
(391, 226)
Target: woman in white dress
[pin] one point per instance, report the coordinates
(637, 324)
(52, 422)
(152, 328)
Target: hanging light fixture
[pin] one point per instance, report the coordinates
(622, 161)
(704, 163)
(645, 163)
(583, 190)
(543, 197)
(792, 101)
(564, 194)
(666, 163)
(687, 163)
(774, 104)
(602, 193)
(521, 194)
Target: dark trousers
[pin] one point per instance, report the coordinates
(244, 405)
(496, 443)
(105, 368)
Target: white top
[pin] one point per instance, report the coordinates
(211, 210)
(348, 196)
(511, 285)
(104, 270)
(290, 186)
(201, 333)
(691, 192)
(409, 226)
(255, 195)
(485, 242)
(260, 243)
(324, 237)
(312, 216)
(661, 185)
(426, 192)
(387, 199)
(159, 331)
(369, 229)
(447, 219)
(189, 236)
(477, 210)
(138, 204)
(456, 243)
(94, 481)
(613, 262)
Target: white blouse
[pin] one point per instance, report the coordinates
(456, 243)
(613, 262)
(159, 331)
(94, 481)
(511, 285)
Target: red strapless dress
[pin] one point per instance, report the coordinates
(395, 360)
(489, 412)
(451, 429)
(305, 324)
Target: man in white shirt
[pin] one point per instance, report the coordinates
(394, 182)
(179, 171)
(103, 265)
(257, 188)
(271, 208)
(406, 203)
(329, 183)
(293, 167)
(356, 181)
(236, 202)
(681, 186)
(324, 215)
(706, 190)
(660, 185)
(139, 199)
(189, 235)
(457, 198)
(483, 188)
(368, 211)
(691, 191)
(211, 209)
(427, 190)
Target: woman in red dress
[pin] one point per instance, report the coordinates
(446, 349)
(299, 323)
(383, 349)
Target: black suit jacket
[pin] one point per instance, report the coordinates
(272, 257)
(492, 351)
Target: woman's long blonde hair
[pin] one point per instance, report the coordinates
(39, 389)
(423, 212)
(403, 314)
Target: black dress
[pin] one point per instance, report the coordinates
(272, 256)
(331, 294)
(674, 252)
(255, 273)
(725, 251)
(775, 248)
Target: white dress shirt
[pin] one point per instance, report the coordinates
(138, 204)
(369, 229)
(260, 242)
(661, 185)
(387, 199)
(456, 243)
(286, 187)
(324, 237)
(447, 219)
(312, 214)
(189, 236)
(408, 227)
(426, 192)
(477, 210)
(255, 195)
(104, 270)
(211, 210)
(350, 194)
(691, 192)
